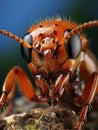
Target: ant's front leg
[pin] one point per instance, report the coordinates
(87, 97)
(8, 89)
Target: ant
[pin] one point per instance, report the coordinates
(57, 54)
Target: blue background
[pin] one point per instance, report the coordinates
(17, 16)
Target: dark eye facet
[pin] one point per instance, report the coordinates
(73, 46)
(28, 38)
(26, 53)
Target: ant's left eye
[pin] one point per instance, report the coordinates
(73, 46)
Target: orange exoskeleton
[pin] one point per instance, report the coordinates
(56, 52)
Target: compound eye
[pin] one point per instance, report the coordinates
(26, 53)
(73, 46)
(28, 38)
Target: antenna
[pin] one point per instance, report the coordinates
(16, 38)
(79, 28)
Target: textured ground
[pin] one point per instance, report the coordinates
(45, 118)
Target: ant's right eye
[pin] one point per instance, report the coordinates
(28, 38)
(26, 53)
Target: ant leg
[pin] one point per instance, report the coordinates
(8, 89)
(87, 97)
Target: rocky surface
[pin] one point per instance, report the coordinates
(42, 117)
